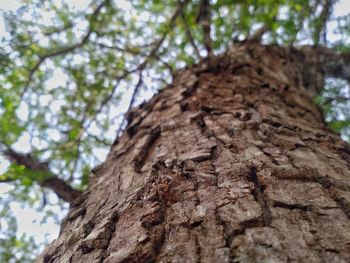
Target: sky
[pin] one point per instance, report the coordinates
(28, 218)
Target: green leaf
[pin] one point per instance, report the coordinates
(337, 126)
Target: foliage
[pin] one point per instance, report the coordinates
(12, 248)
(65, 72)
(335, 103)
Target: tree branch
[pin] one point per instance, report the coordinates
(7, 180)
(59, 186)
(188, 31)
(132, 101)
(322, 21)
(63, 50)
(159, 43)
(334, 64)
(257, 36)
(152, 54)
(204, 19)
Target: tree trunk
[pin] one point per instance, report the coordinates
(232, 163)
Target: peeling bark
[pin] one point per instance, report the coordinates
(233, 163)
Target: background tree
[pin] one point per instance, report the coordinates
(114, 48)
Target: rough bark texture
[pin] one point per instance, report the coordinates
(233, 163)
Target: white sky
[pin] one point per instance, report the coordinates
(29, 219)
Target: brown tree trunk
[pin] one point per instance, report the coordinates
(232, 163)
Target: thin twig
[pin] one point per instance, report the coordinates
(132, 101)
(58, 29)
(161, 40)
(258, 35)
(133, 51)
(62, 51)
(204, 19)
(152, 54)
(325, 13)
(188, 31)
(7, 180)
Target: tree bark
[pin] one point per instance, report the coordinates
(232, 163)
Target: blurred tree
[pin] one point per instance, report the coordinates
(66, 72)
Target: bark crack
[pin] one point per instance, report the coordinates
(258, 193)
(304, 208)
(111, 228)
(198, 249)
(143, 153)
